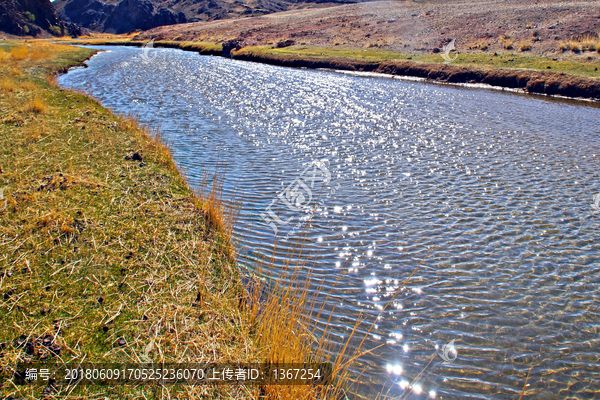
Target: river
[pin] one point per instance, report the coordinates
(376, 172)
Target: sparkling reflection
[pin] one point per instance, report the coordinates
(501, 184)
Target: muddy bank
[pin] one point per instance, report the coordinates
(547, 83)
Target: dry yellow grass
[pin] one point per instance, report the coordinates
(19, 53)
(7, 85)
(37, 105)
(590, 42)
(4, 56)
(583, 43)
(506, 42)
(524, 45)
(37, 55)
(563, 46)
(482, 45)
(575, 46)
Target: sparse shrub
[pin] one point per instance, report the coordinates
(19, 53)
(589, 42)
(55, 30)
(30, 16)
(506, 42)
(524, 45)
(481, 45)
(26, 30)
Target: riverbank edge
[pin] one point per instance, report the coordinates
(527, 81)
(217, 222)
(218, 228)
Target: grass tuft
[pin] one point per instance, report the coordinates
(482, 45)
(590, 42)
(524, 45)
(506, 42)
(37, 105)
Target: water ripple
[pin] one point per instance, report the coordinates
(501, 184)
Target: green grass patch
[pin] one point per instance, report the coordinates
(482, 60)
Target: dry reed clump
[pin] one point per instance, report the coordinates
(575, 46)
(286, 328)
(584, 43)
(563, 46)
(524, 45)
(590, 42)
(482, 45)
(506, 42)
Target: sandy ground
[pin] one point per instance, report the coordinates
(409, 26)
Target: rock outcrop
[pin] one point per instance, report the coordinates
(123, 16)
(120, 17)
(34, 18)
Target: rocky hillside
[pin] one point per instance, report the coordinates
(34, 18)
(123, 16)
(532, 26)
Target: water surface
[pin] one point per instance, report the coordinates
(500, 185)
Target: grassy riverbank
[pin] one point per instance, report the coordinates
(107, 255)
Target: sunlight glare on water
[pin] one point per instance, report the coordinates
(501, 184)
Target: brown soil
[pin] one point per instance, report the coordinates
(409, 26)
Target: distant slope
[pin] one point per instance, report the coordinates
(122, 16)
(410, 26)
(33, 18)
